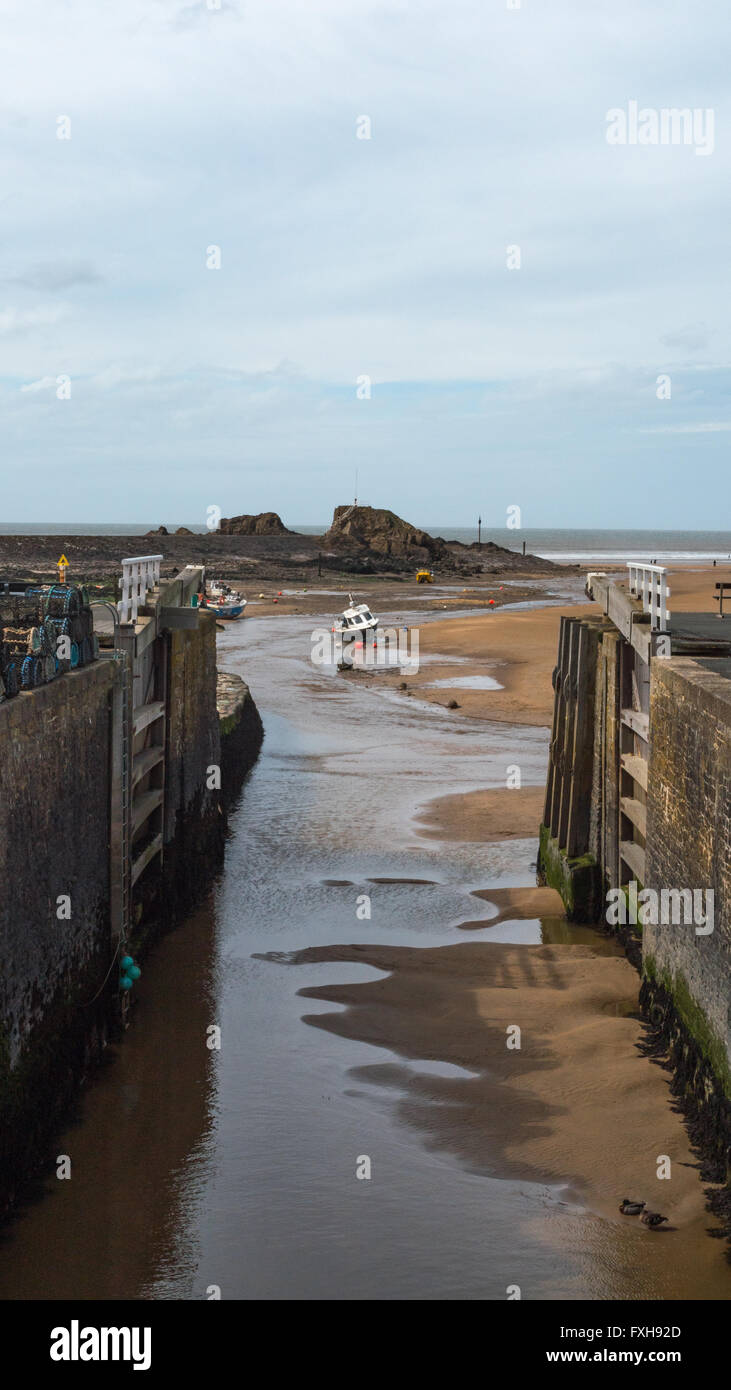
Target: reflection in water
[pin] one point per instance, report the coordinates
(465, 683)
(237, 1168)
(143, 1138)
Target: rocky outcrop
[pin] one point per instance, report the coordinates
(263, 524)
(495, 559)
(381, 532)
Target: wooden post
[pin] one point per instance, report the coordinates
(570, 689)
(553, 746)
(577, 833)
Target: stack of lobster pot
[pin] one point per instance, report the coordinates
(45, 630)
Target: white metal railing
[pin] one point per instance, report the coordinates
(139, 573)
(649, 583)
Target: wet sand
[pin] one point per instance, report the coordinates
(515, 903)
(577, 1104)
(494, 813)
(694, 589)
(519, 650)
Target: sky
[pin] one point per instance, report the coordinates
(364, 315)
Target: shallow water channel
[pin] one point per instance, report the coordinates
(236, 1168)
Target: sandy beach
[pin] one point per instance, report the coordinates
(577, 1104)
(518, 650)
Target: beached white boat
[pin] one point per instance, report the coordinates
(223, 600)
(356, 621)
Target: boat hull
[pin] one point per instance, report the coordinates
(227, 611)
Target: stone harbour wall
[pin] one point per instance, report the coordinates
(689, 845)
(59, 933)
(55, 933)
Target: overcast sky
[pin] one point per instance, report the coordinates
(344, 258)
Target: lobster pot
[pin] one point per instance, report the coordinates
(31, 672)
(25, 639)
(56, 629)
(63, 601)
(31, 624)
(48, 638)
(24, 646)
(20, 611)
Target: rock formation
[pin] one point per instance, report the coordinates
(383, 533)
(263, 524)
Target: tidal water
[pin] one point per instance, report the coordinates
(194, 1169)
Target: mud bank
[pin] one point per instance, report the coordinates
(576, 1102)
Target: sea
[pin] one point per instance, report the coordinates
(577, 545)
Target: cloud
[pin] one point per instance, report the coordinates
(343, 257)
(14, 321)
(57, 275)
(45, 383)
(693, 337)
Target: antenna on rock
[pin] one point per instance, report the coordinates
(355, 503)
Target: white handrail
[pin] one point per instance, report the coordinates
(139, 573)
(649, 583)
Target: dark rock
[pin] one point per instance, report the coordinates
(382, 533)
(263, 524)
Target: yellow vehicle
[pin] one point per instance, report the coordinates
(424, 577)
